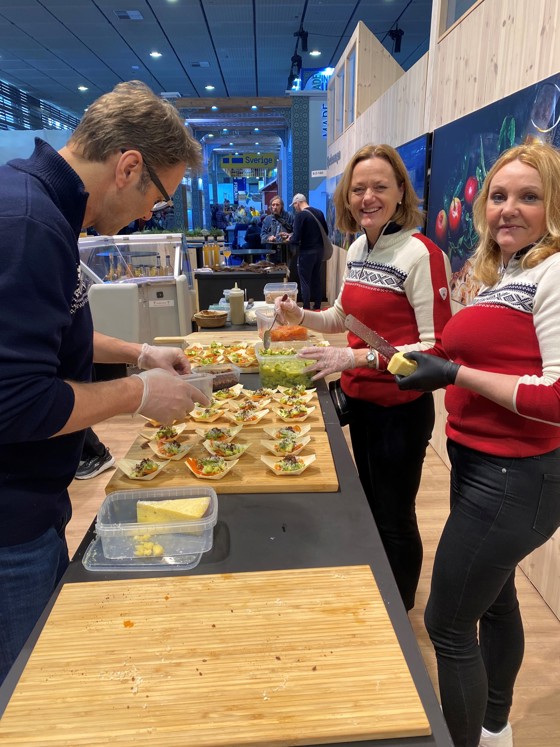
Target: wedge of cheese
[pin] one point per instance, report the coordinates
(174, 509)
(399, 365)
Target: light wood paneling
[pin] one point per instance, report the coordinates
(497, 49)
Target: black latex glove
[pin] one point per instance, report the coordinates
(432, 373)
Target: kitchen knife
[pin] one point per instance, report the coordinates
(399, 365)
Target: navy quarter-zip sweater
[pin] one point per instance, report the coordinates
(46, 336)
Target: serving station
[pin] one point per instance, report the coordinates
(290, 630)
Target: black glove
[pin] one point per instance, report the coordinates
(432, 373)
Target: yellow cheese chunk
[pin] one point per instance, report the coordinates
(399, 365)
(174, 509)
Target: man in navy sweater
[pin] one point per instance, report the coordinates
(128, 153)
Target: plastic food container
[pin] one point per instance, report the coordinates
(223, 375)
(273, 290)
(122, 537)
(279, 366)
(284, 333)
(202, 381)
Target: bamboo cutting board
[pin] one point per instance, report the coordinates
(249, 475)
(256, 659)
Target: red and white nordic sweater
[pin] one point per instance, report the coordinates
(511, 328)
(401, 290)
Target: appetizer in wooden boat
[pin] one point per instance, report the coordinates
(299, 412)
(285, 446)
(230, 392)
(170, 449)
(209, 468)
(206, 414)
(293, 400)
(219, 434)
(293, 391)
(228, 451)
(145, 469)
(254, 395)
(247, 416)
(287, 431)
(288, 465)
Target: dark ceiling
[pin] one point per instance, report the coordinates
(243, 48)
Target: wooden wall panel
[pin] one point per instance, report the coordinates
(376, 69)
(497, 49)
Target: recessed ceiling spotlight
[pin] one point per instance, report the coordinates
(315, 53)
(210, 135)
(135, 67)
(225, 129)
(257, 143)
(82, 88)
(254, 107)
(209, 87)
(231, 144)
(256, 129)
(155, 55)
(214, 108)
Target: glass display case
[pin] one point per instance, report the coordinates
(140, 286)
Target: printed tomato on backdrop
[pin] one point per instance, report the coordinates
(463, 152)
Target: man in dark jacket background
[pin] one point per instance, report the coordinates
(307, 234)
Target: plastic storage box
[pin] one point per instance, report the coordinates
(223, 375)
(280, 366)
(122, 537)
(284, 333)
(273, 290)
(202, 381)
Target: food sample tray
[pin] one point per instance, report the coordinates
(249, 475)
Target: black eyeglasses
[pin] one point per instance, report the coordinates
(161, 204)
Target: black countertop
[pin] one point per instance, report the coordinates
(294, 530)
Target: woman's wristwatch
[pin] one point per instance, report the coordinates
(371, 358)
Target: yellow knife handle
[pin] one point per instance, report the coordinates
(401, 366)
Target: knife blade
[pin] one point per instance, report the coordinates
(384, 348)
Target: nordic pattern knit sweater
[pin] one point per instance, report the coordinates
(399, 288)
(511, 328)
(46, 337)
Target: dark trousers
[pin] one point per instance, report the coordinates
(92, 445)
(309, 269)
(501, 510)
(389, 445)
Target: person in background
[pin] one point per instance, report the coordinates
(278, 225)
(396, 282)
(307, 235)
(253, 235)
(501, 367)
(129, 152)
(95, 457)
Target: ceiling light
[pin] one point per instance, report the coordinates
(257, 143)
(210, 135)
(315, 53)
(209, 88)
(225, 129)
(254, 107)
(155, 55)
(230, 143)
(82, 88)
(256, 129)
(396, 35)
(214, 108)
(135, 67)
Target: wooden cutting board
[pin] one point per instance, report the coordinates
(256, 659)
(249, 475)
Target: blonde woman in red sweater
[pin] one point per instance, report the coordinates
(503, 440)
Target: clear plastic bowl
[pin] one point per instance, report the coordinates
(273, 290)
(122, 536)
(276, 369)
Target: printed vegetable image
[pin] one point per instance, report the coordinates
(441, 227)
(455, 215)
(471, 189)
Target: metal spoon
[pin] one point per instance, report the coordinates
(266, 335)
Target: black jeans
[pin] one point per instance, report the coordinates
(501, 510)
(309, 269)
(389, 445)
(92, 445)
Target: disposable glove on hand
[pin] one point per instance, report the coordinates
(329, 360)
(432, 373)
(167, 397)
(170, 359)
(288, 311)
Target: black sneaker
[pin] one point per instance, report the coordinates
(94, 465)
